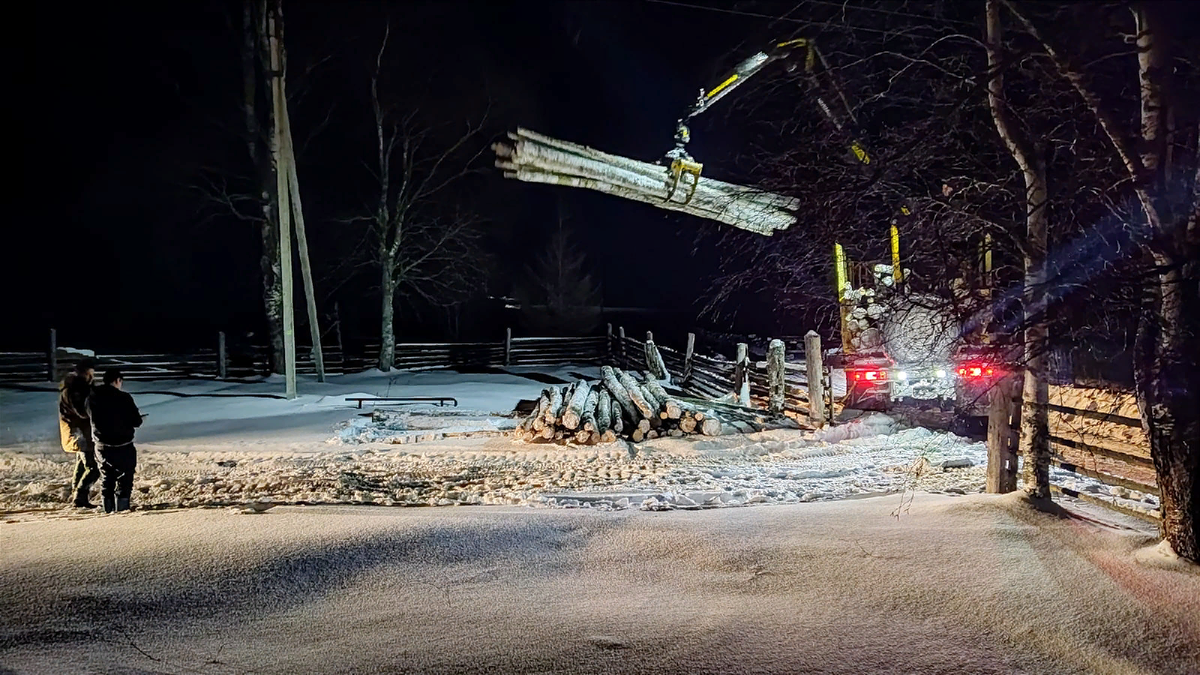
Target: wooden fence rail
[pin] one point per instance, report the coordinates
(245, 361)
(1094, 433)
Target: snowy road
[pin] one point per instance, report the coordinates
(974, 584)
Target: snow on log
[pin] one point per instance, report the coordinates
(553, 405)
(534, 158)
(619, 394)
(575, 407)
(635, 394)
(603, 410)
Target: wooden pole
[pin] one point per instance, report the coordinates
(775, 376)
(741, 374)
(609, 343)
(508, 346)
(222, 359)
(621, 334)
(688, 357)
(281, 185)
(52, 357)
(654, 362)
(310, 298)
(1002, 453)
(337, 335)
(815, 374)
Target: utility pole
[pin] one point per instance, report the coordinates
(310, 298)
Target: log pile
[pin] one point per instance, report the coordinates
(620, 405)
(535, 158)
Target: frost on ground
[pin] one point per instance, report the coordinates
(319, 449)
(974, 584)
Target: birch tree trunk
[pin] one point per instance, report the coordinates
(255, 41)
(387, 328)
(1035, 431)
(1167, 365)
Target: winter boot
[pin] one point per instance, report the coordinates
(110, 503)
(81, 501)
(122, 503)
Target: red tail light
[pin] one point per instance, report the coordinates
(972, 372)
(871, 375)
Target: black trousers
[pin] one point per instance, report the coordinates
(87, 471)
(116, 470)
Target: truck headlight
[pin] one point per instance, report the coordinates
(902, 375)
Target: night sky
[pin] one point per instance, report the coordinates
(112, 247)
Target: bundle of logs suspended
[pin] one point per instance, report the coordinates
(534, 158)
(618, 405)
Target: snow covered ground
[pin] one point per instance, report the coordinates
(231, 444)
(955, 584)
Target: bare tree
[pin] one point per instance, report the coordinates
(419, 249)
(245, 187)
(1035, 421)
(1161, 160)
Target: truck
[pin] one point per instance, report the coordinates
(898, 347)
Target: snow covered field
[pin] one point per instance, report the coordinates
(955, 584)
(319, 449)
(231, 444)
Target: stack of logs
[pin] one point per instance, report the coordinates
(617, 405)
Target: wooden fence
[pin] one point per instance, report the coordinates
(240, 362)
(713, 376)
(1095, 433)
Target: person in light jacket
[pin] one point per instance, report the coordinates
(75, 430)
(114, 417)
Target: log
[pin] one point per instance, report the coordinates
(672, 408)
(651, 434)
(609, 436)
(637, 435)
(573, 412)
(615, 387)
(635, 395)
(775, 376)
(643, 425)
(532, 157)
(603, 410)
(553, 405)
(676, 433)
(687, 425)
(711, 427)
(583, 436)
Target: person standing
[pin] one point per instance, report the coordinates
(75, 430)
(114, 416)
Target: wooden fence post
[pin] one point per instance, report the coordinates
(52, 357)
(815, 374)
(222, 359)
(654, 361)
(688, 357)
(508, 346)
(1002, 453)
(608, 334)
(775, 376)
(741, 374)
(624, 356)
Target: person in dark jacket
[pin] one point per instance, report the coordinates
(75, 430)
(114, 416)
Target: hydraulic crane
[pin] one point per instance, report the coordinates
(867, 371)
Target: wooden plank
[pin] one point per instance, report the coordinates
(1106, 478)
(1104, 452)
(1092, 499)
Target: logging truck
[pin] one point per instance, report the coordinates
(896, 346)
